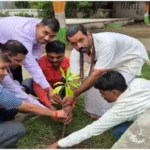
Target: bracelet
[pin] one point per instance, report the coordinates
(56, 114)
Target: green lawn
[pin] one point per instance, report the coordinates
(42, 131)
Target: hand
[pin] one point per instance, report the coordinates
(53, 146)
(51, 107)
(67, 100)
(69, 110)
(54, 98)
(61, 114)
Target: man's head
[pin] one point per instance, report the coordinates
(16, 52)
(79, 38)
(55, 52)
(111, 84)
(4, 62)
(46, 30)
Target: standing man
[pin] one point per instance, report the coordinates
(104, 51)
(32, 33)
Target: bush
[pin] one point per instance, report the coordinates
(23, 14)
(4, 14)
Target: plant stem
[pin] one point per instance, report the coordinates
(63, 132)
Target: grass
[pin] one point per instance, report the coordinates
(42, 131)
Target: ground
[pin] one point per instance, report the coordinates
(42, 131)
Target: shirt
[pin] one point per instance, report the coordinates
(128, 106)
(52, 75)
(114, 51)
(8, 100)
(16, 89)
(23, 29)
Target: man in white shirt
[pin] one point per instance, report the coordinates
(130, 102)
(104, 51)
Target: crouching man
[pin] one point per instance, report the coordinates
(131, 102)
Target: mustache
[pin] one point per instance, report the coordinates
(83, 49)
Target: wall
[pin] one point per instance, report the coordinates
(12, 12)
(134, 11)
(101, 13)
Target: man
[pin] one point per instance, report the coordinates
(105, 51)
(11, 131)
(131, 102)
(16, 52)
(32, 33)
(50, 64)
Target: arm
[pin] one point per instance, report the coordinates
(107, 121)
(105, 57)
(33, 68)
(27, 107)
(9, 84)
(41, 94)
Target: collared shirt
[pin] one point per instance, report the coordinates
(129, 105)
(23, 29)
(114, 51)
(52, 75)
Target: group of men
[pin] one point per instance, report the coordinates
(113, 94)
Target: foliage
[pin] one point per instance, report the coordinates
(67, 84)
(4, 14)
(22, 4)
(45, 8)
(24, 14)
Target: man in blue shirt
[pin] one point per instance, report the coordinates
(11, 131)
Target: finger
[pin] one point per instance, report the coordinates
(53, 102)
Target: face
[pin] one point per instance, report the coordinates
(110, 96)
(55, 59)
(3, 69)
(16, 60)
(44, 34)
(81, 42)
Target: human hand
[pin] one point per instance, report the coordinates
(53, 97)
(53, 146)
(60, 114)
(67, 100)
(69, 110)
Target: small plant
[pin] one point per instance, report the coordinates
(64, 88)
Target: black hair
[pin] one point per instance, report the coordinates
(13, 47)
(55, 46)
(52, 23)
(111, 80)
(73, 29)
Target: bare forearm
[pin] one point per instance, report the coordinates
(27, 107)
(89, 82)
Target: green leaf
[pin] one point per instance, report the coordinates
(69, 91)
(75, 78)
(74, 84)
(63, 73)
(57, 83)
(57, 89)
(68, 73)
(74, 75)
